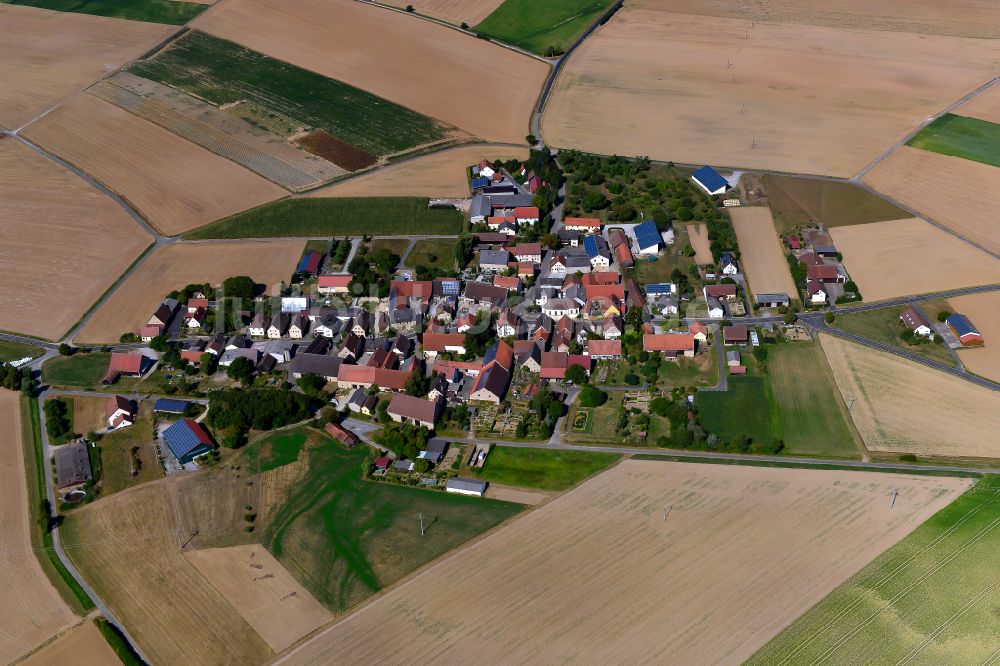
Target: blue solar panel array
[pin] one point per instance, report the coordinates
(647, 234)
(590, 245)
(170, 405)
(710, 179)
(482, 181)
(181, 439)
(659, 288)
(450, 287)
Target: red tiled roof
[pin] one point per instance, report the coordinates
(195, 303)
(737, 333)
(821, 272)
(605, 291)
(525, 268)
(668, 342)
(526, 212)
(342, 434)
(334, 280)
(604, 347)
(151, 331)
(115, 403)
(608, 278)
(591, 222)
(445, 367)
(436, 342)
(510, 283)
(720, 290)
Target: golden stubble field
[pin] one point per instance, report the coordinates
(174, 266)
(484, 89)
(175, 184)
(452, 11)
(985, 105)
(602, 575)
(63, 243)
(904, 257)
(31, 610)
(83, 644)
(755, 94)
(760, 251)
(47, 56)
(949, 190)
(440, 175)
(984, 312)
(905, 407)
(698, 235)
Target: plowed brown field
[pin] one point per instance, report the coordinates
(949, 190)
(904, 257)
(442, 174)
(175, 184)
(48, 56)
(698, 234)
(63, 243)
(905, 407)
(650, 562)
(984, 312)
(484, 89)
(174, 266)
(755, 94)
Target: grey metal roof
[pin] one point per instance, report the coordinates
(471, 485)
(494, 257)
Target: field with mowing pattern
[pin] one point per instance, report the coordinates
(602, 575)
(984, 311)
(930, 599)
(172, 12)
(545, 470)
(82, 644)
(79, 370)
(433, 253)
(751, 399)
(961, 136)
(542, 26)
(806, 201)
(761, 252)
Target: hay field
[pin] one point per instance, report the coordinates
(64, 243)
(901, 406)
(48, 56)
(484, 89)
(128, 547)
(760, 251)
(274, 603)
(452, 11)
(31, 610)
(903, 257)
(83, 644)
(984, 311)
(949, 190)
(599, 576)
(175, 184)
(440, 175)
(698, 234)
(88, 414)
(775, 96)
(174, 266)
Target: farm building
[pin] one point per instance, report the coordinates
(723, 292)
(408, 409)
(772, 300)
(435, 450)
(119, 412)
(710, 180)
(670, 345)
(187, 440)
(437, 343)
(915, 320)
(170, 406)
(604, 349)
(72, 465)
(322, 365)
(648, 238)
(584, 224)
(735, 335)
(963, 329)
(126, 364)
(341, 434)
(333, 284)
(463, 486)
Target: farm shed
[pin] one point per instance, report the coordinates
(772, 300)
(170, 406)
(125, 364)
(310, 263)
(72, 465)
(408, 409)
(963, 329)
(669, 344)
(648, 238)
(341, 434)
(187, 440)
(333, 284)
(710, 180)
(464, 486)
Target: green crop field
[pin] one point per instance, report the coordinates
(803, 201)
(375, 216)
(80, 369)
(885, 326)
(345, 538)
(538, 468)
(540, 25)
(12, 351)
(222, 72)
(172, 12)
(930, 599)
(960, 136)
(747, 408)
(809, 406)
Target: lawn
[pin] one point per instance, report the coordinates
(345, 538)
(660, 270)
(222, 72)
(747, 408)
(960, 136)
(698, 371)
(378, 216)
(885, 326)
(172, 12)
(803, 201)
(542, 26)
(542, 469)
(13, 351)
(931, 599)
(80, 369)
(129, 450)
(395, 245)
(603, 421)
(433, 253)
(808, 403)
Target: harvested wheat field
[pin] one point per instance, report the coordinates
(698, 235)
(175, 184)
(83, 644)
(761, 253)
(64, 243)
(905, 407)
(799, 98)
(128, 546)
(31, 610)
(426, 67)
(440, 175)
(985, 106)
(452, 11)
(908, 257)
(949, 190)
(600, 575)
(984, 311)
(174, 266)
(274, 603)
(48, 56)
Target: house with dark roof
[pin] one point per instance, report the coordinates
(915, 320)
(322, 365)
(597, 251)
(119, 412)
(492, 382)
(187, 440)
(485, 295)
(723, 292)
(418, 411)
(735, 335)
(774, 300)
(710, 180)
(474, 487)
(72, 465)
(494, 261)
(170, 406)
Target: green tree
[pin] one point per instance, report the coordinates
(591, 396)
(312, 384)
(576, 374)
(418, 384)
(241, 370)
(239, 286)
(829, 317)
(65, 350)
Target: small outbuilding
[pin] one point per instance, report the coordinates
(463, 486)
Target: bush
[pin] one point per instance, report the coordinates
(591, 396)
(65, 350)
(632, 379)
(239, 286)
(829, 317)
(943, 315)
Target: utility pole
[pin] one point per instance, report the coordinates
(894, 494)
(421, 524)
(667, 512)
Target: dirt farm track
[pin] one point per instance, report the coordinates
(650, 560)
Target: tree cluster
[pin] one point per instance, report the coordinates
(259, 408)
(405, 440)
(57, 421)
(372, 271)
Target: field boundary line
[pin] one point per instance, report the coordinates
(992, 659)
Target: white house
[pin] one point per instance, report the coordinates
(715, 309)
(299, 327)
(584, 224)
(487, 169)
(728, 264)
(817, 293)
(526, 215)
(119, 412)
(257, 328)
(279, 326)
(560, 307)
(507, 324)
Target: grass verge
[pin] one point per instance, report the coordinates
(542, 469)
(115, 638)
(794, 464)
(12, 351)
(803, 201)
(961, 136)
(171, 12)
